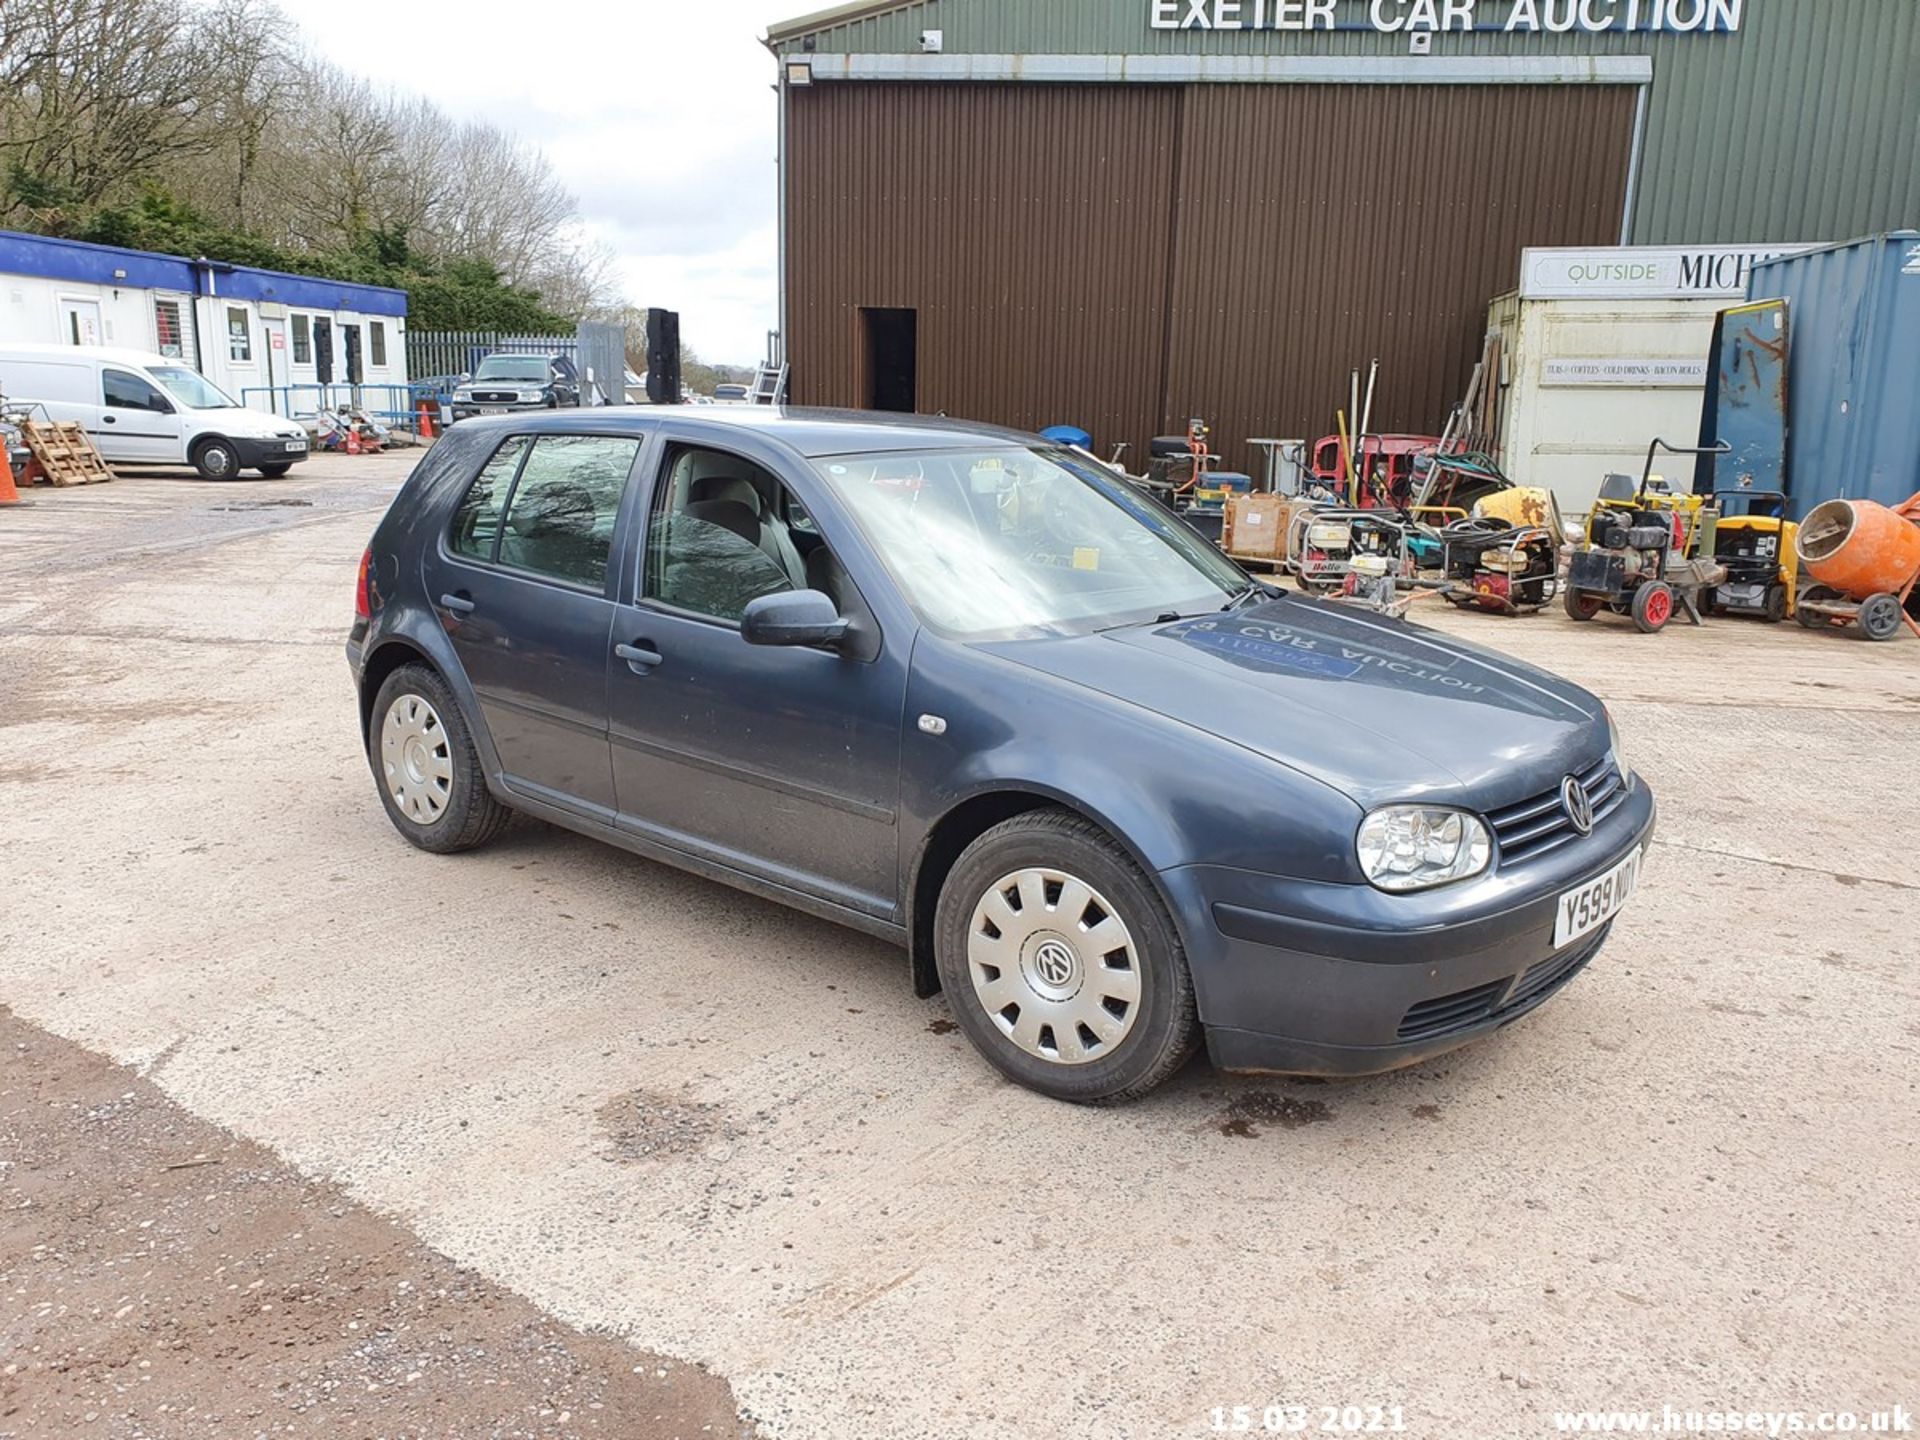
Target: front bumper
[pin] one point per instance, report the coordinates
(255, 453)
(1298, 977)
(471, 409)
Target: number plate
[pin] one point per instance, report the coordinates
(493, 409)
(1586, 909)
(296, 444)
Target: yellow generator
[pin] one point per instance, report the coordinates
(1757, 549)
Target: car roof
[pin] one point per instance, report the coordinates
(112, 354)
(809, 433)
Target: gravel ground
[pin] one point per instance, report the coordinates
(730, 1135)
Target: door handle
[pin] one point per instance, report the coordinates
(111, 419)
(639, 659)
(458, 604)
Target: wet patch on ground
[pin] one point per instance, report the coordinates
(1247, 1116)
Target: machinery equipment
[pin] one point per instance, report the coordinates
(1499, 567)
(1638, 559)
(1757, 550)
(1865, 560)
(1359, 554)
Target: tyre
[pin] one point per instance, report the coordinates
(1061, 963)
(1807, 619)
(426, 768)
(1580, 605)
(274, 472)
(1653, 607)
(216, 459)
(1881, 617)
(1776, 610)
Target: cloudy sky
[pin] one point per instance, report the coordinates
(658, 114)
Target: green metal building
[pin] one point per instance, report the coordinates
(1119, 212)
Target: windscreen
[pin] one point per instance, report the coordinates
(192, 389)
(513, 367)
(1010, 542)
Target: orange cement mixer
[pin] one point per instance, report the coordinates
(1865, 560)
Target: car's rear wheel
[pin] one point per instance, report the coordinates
(426, 766)
(1061, 963)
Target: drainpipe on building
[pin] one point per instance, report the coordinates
(202, 267)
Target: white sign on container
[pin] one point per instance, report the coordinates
(1624, 370)
(1644, 272)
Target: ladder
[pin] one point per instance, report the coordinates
(770, 381)
(770, 385)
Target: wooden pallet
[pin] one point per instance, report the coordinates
(64, 452)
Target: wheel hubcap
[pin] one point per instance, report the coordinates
(416, 760)
(1054, 966)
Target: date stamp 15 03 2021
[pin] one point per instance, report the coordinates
(1307, 1420)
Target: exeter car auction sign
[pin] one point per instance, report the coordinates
(1524, 17)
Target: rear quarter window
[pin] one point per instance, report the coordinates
(476, 524)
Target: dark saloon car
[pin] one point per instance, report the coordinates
(511, 384)
(950, 685)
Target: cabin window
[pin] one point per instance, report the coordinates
(239, 335)
(166, 329)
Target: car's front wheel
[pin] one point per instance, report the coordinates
(1060, 961)
(216, 459)
(276, 471)
(426, 766)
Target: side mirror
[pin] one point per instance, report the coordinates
(793, 617)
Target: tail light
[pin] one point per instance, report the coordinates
(362, 598)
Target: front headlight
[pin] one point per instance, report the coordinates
(528, 396)
(1619, 754)
(1416, 847)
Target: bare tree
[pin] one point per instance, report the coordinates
(250, 52)
(99, 91)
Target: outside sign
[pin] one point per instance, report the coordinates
(1521, 17)
(1614, 370)
(1644, 272)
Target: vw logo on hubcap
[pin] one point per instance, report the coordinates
(1053, 962)
(1578, 806)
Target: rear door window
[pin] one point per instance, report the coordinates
(560, 516)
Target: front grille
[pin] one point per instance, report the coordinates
(1464, 1009)
(1451, 1012)
(496, 397)
(1552, 972)
(1536, 826)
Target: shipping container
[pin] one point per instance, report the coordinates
(1853, 369)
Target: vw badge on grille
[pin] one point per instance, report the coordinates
(1579, 808)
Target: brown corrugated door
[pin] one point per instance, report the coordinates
(1319, 226)
(1027, 226)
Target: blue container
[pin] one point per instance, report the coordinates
(1853, 368)
(1068, 435)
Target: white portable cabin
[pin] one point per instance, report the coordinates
(1602, 352)
(277, 342)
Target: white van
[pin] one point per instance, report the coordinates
(143, 409)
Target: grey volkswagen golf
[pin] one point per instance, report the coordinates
(949, 685)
